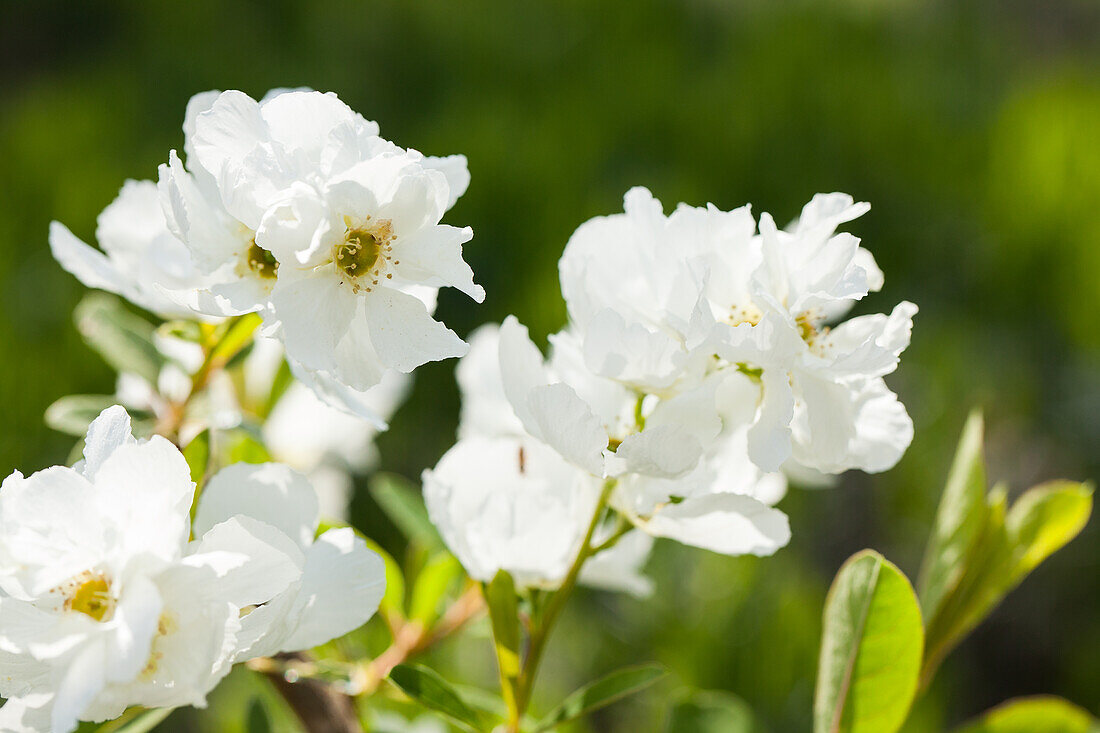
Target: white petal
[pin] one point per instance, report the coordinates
(485, 408)
(521, 366)
(731, 524)
(194, 212)
(109, 431)
(415, 199)
(82, 682)
(843, 426)
(454, 168)
(303, 121)
(770, 437)
(342, 585)
(315, 312)
(565, 422)
(27, 714)
(827, 211)
(87, 264)
(45, 533)
(403, 333)
(510, 503)
(293, 227)
(869, 346)
(252, 561)
(434, 256)
(231, 141)
(268, 492)
(374, 405)
(136, 618)
(665, 451)
(145, 490)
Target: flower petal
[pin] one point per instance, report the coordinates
(403, 333)
(268, 492)
(342, 584)
(732, 524)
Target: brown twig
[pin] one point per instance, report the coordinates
(320, 707)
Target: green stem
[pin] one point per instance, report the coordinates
(540, 632)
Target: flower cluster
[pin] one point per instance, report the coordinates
(106, 601)
(703, 355)
(295, 208)
(706, 358)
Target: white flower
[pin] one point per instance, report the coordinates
(339, 225)
(512, 504)
(103, 602)
(635, 287)
(725, 503)
(141, 258)
(341, 582)
(597, 423)
(503, 500)
(824, 401)
(654, 300)
(517, 406)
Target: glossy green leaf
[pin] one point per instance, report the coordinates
(73, 413)
(959, 521)
(430, 588)
(602, 692)
(1013, 542)
(123, 338)
(235, 338)
(257, 718)
(435, 693)
(197, 455)
(1043, 521)
(279, 385)
(136, 721)
(241, 446)
(711, 711)
(404, 505)
(500, 598)
(1040, 714)
(870, 650)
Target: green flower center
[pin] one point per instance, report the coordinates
(262, 262)
(358, 253)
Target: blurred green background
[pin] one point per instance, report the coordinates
(973, 128)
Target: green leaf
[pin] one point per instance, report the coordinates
(435, 693)
(257, 718)
(602, 692)
(500, 597)
(1013, 542)
(1043, 521)
(197, 455)
(959, 523)
(393, 602)
(279, 385)
(1040, 714)
(870, 649)
(73, 413)
(431, 586)
(711, 711)
(240, 446)
(236, 337)
(121, 337)
(404, 505)
(139, 721)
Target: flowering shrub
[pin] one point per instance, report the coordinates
(294, 256)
